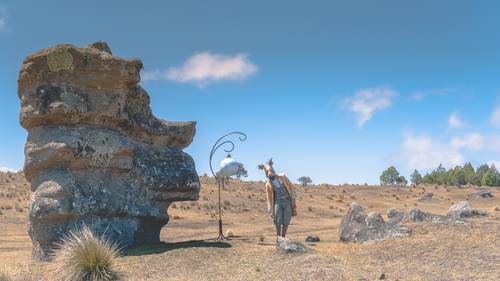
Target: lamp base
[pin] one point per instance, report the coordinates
(221, 234)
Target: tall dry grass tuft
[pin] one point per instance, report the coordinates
(83, 256)
(5, 274)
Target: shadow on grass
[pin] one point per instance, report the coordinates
(164, 247)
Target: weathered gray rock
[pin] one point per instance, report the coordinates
(95, 153)
(288, 246)
(398, 217)
(312, 239)
(392, 212)
(426, 197)
(483, 194)
(356, 226)
(463, 210)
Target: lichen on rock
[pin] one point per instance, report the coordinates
(95, 154)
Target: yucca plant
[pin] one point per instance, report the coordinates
(81, 255)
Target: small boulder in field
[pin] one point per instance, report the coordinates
(356, 226)
(393, 212)
(312, 238)
(426, 197)
(229, 233)
(464, 210)
(288, 246)
(483, 194)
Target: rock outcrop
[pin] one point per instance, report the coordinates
(95, 154)
(398, 217)
(483, 194)
(462, 210)
(356, 226)
(426, 197)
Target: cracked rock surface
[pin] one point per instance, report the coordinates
(95, 154)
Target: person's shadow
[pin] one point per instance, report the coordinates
(164, 247)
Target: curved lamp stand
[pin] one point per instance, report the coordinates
(220, 181)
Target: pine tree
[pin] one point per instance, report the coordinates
(416, 178)
(470, 174)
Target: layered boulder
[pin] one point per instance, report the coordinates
(95, 154)
(357, 227)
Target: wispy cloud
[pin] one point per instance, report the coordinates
(422, 94)
(425, 152)
(495, 117)
(455, 122)
(7, 170)
(205, 68)
(474, 141)
(366, 102)
(3, 18)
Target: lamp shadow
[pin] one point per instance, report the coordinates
(162, 247)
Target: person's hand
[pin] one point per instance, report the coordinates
(271, 214)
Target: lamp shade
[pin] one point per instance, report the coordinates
(229, 166)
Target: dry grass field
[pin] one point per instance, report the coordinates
(435, 251)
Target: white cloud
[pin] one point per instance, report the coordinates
(495, 117)
(205, 68)
(492, 143)
(366, 102)
(422, 94)
(153, 75)
(472, 141)
(455, 122)
(3, 18)
(7, 170)
(424, 152)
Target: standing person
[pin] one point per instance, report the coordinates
(281, 198)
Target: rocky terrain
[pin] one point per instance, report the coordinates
(434, 250)
(95, 154)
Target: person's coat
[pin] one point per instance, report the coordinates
(270, 193)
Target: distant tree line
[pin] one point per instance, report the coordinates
(485, 175)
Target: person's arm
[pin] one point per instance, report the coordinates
(270, 200)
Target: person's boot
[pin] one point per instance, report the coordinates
(283, 231)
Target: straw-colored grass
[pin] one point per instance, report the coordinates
(13, 274)
(83, 256)
(5, 274)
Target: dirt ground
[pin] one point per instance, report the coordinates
(189, 251)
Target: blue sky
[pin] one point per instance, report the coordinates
(334, 90)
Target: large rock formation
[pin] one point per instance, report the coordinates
(356, 226)
(95, 153)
